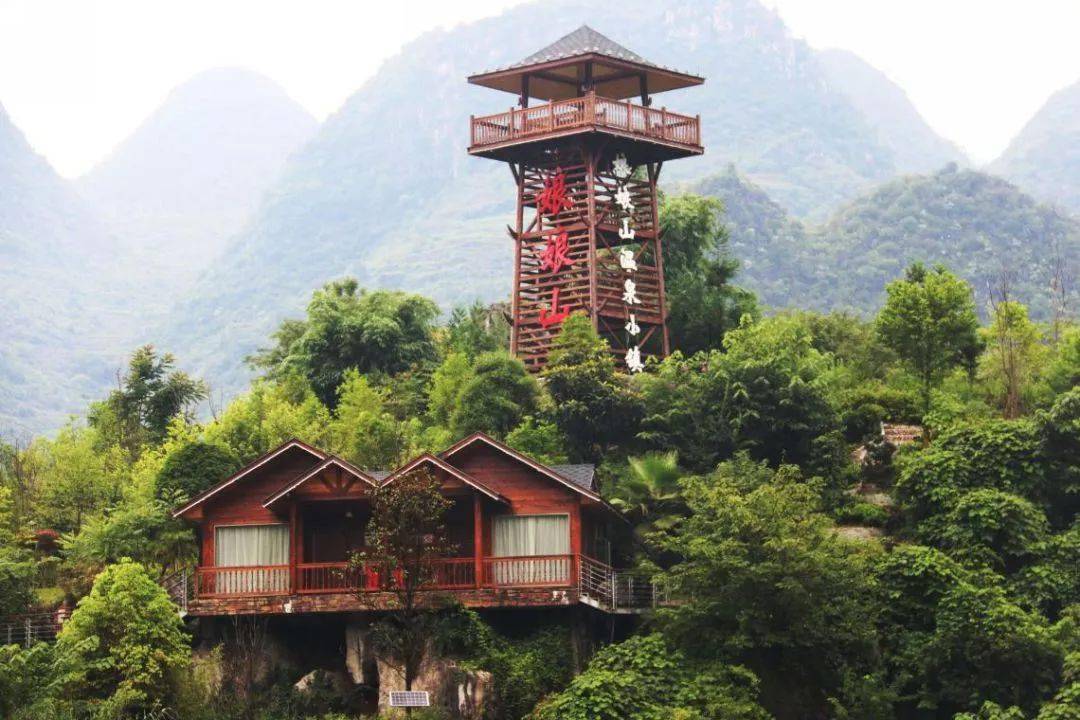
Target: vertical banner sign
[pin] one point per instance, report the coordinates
(622, 171)
(551, 201)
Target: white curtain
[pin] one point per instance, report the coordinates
(241, 546)
(517, 536)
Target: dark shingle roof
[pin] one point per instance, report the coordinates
(583, 476)
(581, 41)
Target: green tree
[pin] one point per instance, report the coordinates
(1065, 704)
(994, 527)
(765, 394)
(405, 538)
(77, 478)
(929, 321)
(347, 327)
(446, 385)
(477, 328)
(124, 645)
(1014, 353)
(362, 430)
(593, 405)
(649, 495)
(540, 440)
(985, 648)
(141, 529)
(698, 270)
(192, 468)
(770, 585)
(495, 399)
(1001, 454)
(269, 414)
(644, 678)
(151, 393)
(16, 581)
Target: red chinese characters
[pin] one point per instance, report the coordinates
(553, 199)
(556, 254)
(555, 315)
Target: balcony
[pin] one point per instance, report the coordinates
(672, 135)
(341, 586)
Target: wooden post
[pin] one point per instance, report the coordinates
(515, 304)
(293, 547)
(478, 539)
(658, 248)
(591, 162)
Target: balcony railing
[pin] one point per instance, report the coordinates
(584, 112)
(598, 583)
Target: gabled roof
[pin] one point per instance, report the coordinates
(331, 461)
(428, 458)
(249, 468)
(582, 41)
(583, 474)
(526, 460)
(556, 71)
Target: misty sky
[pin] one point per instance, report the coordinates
(78, 75)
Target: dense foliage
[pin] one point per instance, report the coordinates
(814, 568)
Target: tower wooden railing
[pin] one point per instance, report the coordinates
(588, 111)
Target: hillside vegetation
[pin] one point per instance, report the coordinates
(1044, 159)
(937, 580)
(386, 193)
(981, 226)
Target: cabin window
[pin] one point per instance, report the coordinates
(522, 537)
(257, 557)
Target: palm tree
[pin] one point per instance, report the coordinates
(650, 496)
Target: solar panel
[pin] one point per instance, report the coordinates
(409, 698)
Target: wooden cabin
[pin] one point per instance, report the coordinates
(279, 536)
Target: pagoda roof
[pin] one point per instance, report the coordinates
(555, 71)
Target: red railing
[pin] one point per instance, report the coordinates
(588, 111)
(241, 581)
(529, 571)
(447, 574)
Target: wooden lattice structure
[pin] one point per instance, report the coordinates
(586, 165)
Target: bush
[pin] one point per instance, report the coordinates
(124, 645)
(645, 679)
(16, 582)
(861, 513)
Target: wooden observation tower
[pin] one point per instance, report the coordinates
(586, 164)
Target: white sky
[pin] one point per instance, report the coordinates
(78, 75)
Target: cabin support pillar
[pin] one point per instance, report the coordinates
(478, 540)
(293, 547)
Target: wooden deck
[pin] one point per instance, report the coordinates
(491, 133)
(533, 581)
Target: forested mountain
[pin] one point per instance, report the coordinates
(976, 224)
(1044, 158)
(53, 257)
(386, 193)
(189, 177)
(915, 146)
